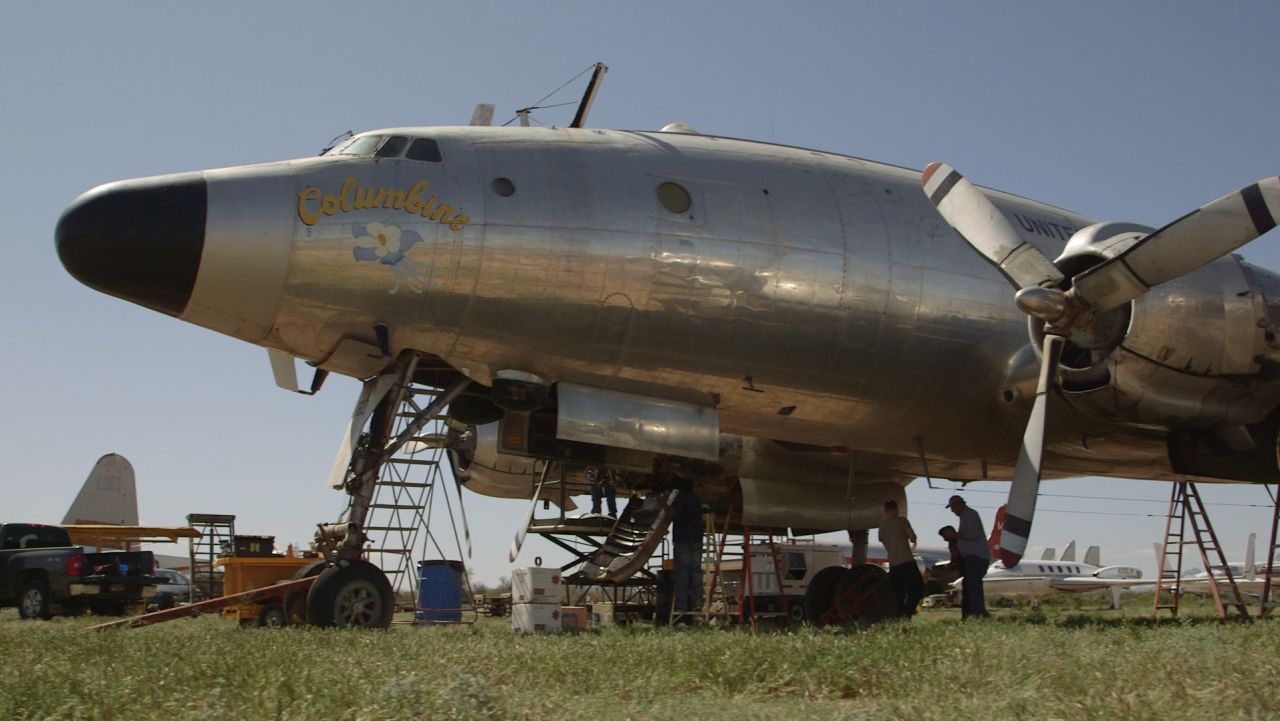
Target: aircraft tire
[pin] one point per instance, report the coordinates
(353, 594)
(272, 615)
(33, 600)
(820, 594)
(295, 602)
(864, 595)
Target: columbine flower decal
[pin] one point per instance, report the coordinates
(387, 244)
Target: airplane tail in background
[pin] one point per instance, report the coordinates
(993, 542)
(1050, 554)
(1069, 553)
(1093, 556)
(108, 496)
(1250, 569)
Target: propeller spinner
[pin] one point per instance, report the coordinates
(1186, 244)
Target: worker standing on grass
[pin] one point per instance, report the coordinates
(972, 539)
(899, 539)
(686, 537)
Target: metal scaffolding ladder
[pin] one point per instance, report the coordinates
(408, 492)
(1185, 507)
(1270, 558)
(216, 532)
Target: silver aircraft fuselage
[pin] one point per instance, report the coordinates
(808, 297)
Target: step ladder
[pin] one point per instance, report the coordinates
(1268, 576)
(1186, 508)
(217, 536)
(408, 491)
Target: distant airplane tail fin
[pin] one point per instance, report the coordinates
(1250, 569)
(108, 496)
(1069, 553)
(1093, 556)
(1050, 554)
(993, 542)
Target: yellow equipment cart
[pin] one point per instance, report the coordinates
(247, 573)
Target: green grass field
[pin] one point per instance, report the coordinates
(1066, 662)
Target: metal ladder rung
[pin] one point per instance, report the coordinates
(402, 529)
(413, 462)
(404, 484)
(394, 506)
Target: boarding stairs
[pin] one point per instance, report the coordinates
(631, 541)
(1187, 509)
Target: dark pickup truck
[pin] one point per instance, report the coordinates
(42, 573)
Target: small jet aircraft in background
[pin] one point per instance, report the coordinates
(800, 333)
(1048, 576)
(1245, 573)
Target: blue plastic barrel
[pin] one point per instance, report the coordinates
(440, 591)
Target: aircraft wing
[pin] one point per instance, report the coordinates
(1080, 584)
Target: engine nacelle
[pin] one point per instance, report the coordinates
(809, 492)
(1185, 355)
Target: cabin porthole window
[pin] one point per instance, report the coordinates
(503, 187)
(674, 198)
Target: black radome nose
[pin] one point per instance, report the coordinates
(139, 240)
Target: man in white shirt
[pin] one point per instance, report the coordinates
(972, 539)
(899, 538)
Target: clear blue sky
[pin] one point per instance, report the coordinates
(1126, 111)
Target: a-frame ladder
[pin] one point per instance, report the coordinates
(1186, 508)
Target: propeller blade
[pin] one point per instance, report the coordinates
(462, 510)
(528, 516)
(971, 214)
(1188, 243)
(1026, 474)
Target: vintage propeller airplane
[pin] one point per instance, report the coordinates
(801, 333)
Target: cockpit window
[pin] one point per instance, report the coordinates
(393, 146)
(425, 149)
(360, 145)
(390, 146)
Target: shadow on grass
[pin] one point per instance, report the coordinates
(1080, 620)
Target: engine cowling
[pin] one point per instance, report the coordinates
(1187, 354)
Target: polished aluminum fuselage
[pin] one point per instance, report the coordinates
(808, 297)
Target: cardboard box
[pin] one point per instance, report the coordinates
(535, 585)
(573, 618)
(536, 618)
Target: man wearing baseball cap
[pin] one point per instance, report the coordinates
(972, 539)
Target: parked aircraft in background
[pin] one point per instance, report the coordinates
(104, 514)
(1048, 576)
(109, 495)
(1248, 577)
(801, 333)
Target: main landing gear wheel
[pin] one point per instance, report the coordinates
(820, 594)
(351, 594)
(864, 595)
(295, 604)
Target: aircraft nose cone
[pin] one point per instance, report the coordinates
(140, 240)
